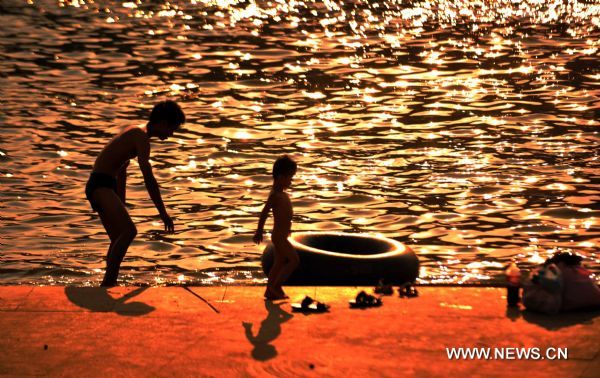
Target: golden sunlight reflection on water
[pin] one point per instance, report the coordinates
(468, 130)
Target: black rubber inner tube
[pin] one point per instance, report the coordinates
(354, 245)
(337, 258)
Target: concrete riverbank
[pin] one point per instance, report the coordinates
(232, 332)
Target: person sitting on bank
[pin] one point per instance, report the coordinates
(561, 284)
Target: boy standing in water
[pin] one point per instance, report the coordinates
(285, 256)
(105, 188)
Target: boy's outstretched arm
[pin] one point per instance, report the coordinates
(264, 214)
(151, 184)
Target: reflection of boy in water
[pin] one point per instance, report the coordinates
(286, 258)
(106, 187)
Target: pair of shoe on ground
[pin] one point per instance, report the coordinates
(362, 300)
(406, 290)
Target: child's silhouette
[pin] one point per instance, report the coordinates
(286, 258)
(105, 188)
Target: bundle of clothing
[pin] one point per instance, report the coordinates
(561, 284)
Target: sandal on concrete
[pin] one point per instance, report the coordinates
(408, 290)
(364, 300)
(309, 305)
(383, 288)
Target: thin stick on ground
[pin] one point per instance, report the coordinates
(204, 300)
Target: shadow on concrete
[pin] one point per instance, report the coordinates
(561, 320)
(98, 299)
(270, 329)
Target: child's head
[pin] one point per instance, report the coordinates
(283, 170)
(165, 119)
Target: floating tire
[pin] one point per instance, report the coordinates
(335, 258)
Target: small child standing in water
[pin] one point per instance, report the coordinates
(105, 188)
(285, 256)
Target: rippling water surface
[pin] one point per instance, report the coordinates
(466, 129)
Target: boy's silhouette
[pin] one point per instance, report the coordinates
(105, 188)
(285, 256)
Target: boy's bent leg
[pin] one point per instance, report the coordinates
(121, 230)
(272, 289)
(111, 230)
(109, 226)
(290, 262)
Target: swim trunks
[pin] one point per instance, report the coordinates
(99, 180)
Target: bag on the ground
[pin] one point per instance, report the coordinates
(542, 291)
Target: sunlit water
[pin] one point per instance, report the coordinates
(467, 130)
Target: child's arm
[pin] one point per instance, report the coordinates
(143, 147)
(121, 181)
(264, 214)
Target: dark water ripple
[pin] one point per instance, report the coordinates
(468, 130)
